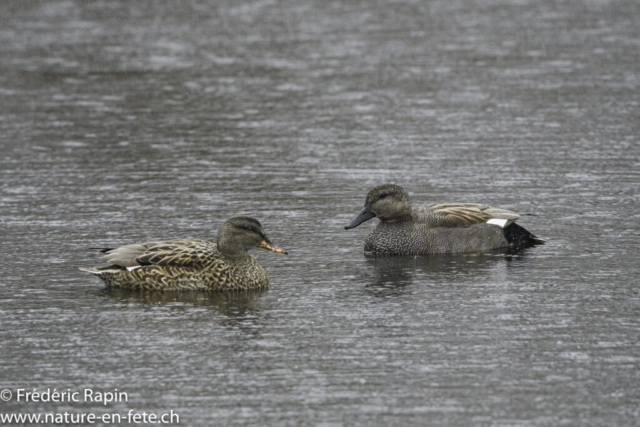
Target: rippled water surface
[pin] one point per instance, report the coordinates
(131, 121)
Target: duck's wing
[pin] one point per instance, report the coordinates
(178, 253)
(455, 215)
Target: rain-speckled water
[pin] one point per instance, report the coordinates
(130, 121)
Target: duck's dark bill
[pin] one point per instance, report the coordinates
(363, 216)
(268, 245)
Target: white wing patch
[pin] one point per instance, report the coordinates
(133, 268)
(499, 222)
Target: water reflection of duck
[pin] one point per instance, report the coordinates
(191, 264)
(396, 273)
(234, 304)
(436, 228)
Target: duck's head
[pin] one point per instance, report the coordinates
(389, 203)
(241, 233)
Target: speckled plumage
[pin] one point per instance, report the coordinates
(436, 228)
(178, 265)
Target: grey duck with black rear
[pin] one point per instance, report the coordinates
(436, 228)
(174, 265)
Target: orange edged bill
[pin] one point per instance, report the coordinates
(266, 244)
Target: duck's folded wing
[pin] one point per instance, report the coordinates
(455, 215)
(177, 253)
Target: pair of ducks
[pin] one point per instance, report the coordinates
(226, 265)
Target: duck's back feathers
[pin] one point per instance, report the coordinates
(196, 254)
(454, 215)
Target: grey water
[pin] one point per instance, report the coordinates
(123, 122)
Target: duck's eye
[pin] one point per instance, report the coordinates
(383, 195)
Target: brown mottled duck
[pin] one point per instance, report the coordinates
(176, 265)
(436, 228)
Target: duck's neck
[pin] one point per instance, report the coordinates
(405, 216)
(401, 213)
(231, 248)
